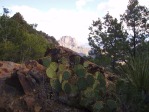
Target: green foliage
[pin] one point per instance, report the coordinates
(51, 73)
(19, 41)
(51, 70)
(98, 76)
(66, 87)
(112, 42)
(136, 71)
(89, 93)
(102, 86)
(111, 104)
(77, 59)
(46, 61)
(136, 18)
(55, 84)
(90, 79)
(82, 83)
(133, 88)
(96, 85)
(53, 66)
(85, 102)
(66, 75)
(62, 67)
(79, 70)
(60, 77)
(98, 106)
(74, 90)
(102, 60)
(6, 49)
(82, 88)
(86, 64)
(64, 60)
(77, 67)
(33, 46)
(108, 39)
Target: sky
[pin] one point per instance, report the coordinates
(66, 17)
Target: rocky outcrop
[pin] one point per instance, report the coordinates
(19, 84)
(26, 87)
(71, 43)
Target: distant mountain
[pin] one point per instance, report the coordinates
(71, 43)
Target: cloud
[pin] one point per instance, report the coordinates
(116, 7)
(81, 3)
(144, 3)
(75, 23)
(59, 22)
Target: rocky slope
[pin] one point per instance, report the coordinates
(26, 87)
(71, 43)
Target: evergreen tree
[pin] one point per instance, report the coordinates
(20, 41)
(108, 38)
(136, 19)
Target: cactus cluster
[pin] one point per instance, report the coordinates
(46, 61)
(74, 79)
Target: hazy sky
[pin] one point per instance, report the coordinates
(66, 17)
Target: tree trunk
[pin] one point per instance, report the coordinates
(134, 41)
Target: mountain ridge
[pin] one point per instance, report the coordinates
(72, 43)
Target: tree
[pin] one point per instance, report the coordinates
(19, 18)
(108, 38)
(136, 19)
(19, 41)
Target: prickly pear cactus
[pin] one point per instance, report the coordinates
(46, 61)
(82, 82)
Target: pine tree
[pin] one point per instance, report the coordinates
(136, 19)
(108, 38)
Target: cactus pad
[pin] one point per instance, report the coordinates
(86, 64)
(90, 79)
(82, 84)
(51, 73)
(66, 75)
(62, 67)
(53, 66)
(46, 61)
(66, 87)
(55, 84)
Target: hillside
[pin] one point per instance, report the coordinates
(20, 41)
(31, 86)
(40, 74)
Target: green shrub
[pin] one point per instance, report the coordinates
(137, 73)
(133, 87)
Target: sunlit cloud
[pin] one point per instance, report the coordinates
(114, 7)
(81, 3)
(59, 22)
(117, 7)
(63, 22)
